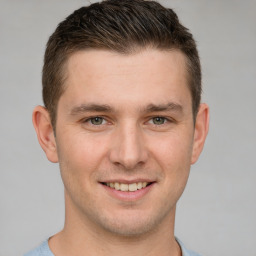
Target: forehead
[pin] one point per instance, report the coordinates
(105, 61)
(129, 78)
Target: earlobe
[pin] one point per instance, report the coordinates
(45, 134)
(201, 131)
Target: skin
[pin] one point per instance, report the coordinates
(122, 118)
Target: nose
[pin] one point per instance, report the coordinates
(128, 147)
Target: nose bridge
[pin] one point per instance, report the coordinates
(129, 148)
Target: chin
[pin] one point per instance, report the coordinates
(130, 225)
(128, 230)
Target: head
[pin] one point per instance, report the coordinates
(122, 84)
(121, 26)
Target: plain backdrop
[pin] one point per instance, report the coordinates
(217, 212)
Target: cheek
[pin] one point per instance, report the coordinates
(173, 155)
(79, 157)
(81, 149)
(174, 149)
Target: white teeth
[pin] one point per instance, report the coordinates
(124, 187)
(127, 187)
(139, 185)
(132, 187)
(117, 186)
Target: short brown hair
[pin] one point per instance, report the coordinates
(124, 26)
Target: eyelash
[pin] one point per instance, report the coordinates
(165, 119)
(87, 120)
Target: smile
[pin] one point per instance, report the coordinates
(127, 187)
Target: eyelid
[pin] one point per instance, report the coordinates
(166, 119)
(149, 120)
(88, 119)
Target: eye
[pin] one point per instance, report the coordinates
(97, 120)
(158, 120)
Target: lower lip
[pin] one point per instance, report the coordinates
(128, 195)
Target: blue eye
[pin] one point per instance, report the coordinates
(159, 120)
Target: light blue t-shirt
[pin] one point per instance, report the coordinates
(44, 250)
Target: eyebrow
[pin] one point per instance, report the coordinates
(171, 106)
(90, 108)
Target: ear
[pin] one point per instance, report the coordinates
(45, 134)
(201, 131)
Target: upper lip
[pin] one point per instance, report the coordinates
(126, 181)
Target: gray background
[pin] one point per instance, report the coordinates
(216, 215)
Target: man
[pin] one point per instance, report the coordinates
(122, 116)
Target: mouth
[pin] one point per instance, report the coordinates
(125, 187)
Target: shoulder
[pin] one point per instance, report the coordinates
(186, 252)
(42, 250)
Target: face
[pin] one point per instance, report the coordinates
(125, 138)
